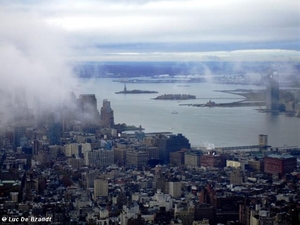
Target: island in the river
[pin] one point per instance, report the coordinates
(175, 97)
(135, 91)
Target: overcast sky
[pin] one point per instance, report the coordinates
(155, 30)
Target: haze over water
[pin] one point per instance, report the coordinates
(212, 127)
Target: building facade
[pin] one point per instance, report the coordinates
(192, 158)
(272, 94)
(100, 188)
(212, 160)
(171, 143)
(99, 158)
(136, 159)
(107, 114)
(88, 109)
(279, 164)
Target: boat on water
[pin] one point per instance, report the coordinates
(174, 112)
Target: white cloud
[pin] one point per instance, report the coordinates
(33, 56)
(90, 23)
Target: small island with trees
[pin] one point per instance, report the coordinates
(175, 97)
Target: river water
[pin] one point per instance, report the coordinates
(212, 127)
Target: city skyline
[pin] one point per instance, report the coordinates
(209, 133)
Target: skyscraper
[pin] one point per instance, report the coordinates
(88, 109)
(19, 132)
(100, 188)
(54, 133)
(107, 114)
(272, 94)
(70, 113)
(171, 143)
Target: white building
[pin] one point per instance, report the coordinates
(161, 200)
(72, 149)
(175, 189)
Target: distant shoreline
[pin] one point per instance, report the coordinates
(252, 98)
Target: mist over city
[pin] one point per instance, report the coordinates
(150, 112)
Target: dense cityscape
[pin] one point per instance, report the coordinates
(74, 165)
(150, 112)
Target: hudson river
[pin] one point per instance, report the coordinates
(215, 126)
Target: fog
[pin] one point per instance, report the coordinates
(34, 73)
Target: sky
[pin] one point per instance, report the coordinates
(153, 30)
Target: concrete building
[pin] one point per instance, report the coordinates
(120, 156)
(107, 114)
(205, 211)
(235, 164)
(86, 147)
(263, 140)
(175, 189)
(100, 188)
(153, 152)
(136, 158)
(256, 165)
(171, 143)
(75, 163)
(279, 164)
(192, 158)
(99, 158)
(236, 177)
(212, 160)
(272, 94)
(185, 212)
(72, 149)
(19, 132)
(177, 158)
(90, 178)
(54, 133)
(88, 109)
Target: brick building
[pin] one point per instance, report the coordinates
(279, 164)
(212, 160)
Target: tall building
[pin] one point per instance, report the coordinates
(177, 158)
(236, 176)
(272, 94)
(90, 178)
(19, 132)
(192, 158)
(72, 149)
(172, 143)
(263, 140)
(54, 133)
(100, 188)
(120, 156)
(175, 189)
(88, 109)
(70, 113)
(107, 114)
(36, 147)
